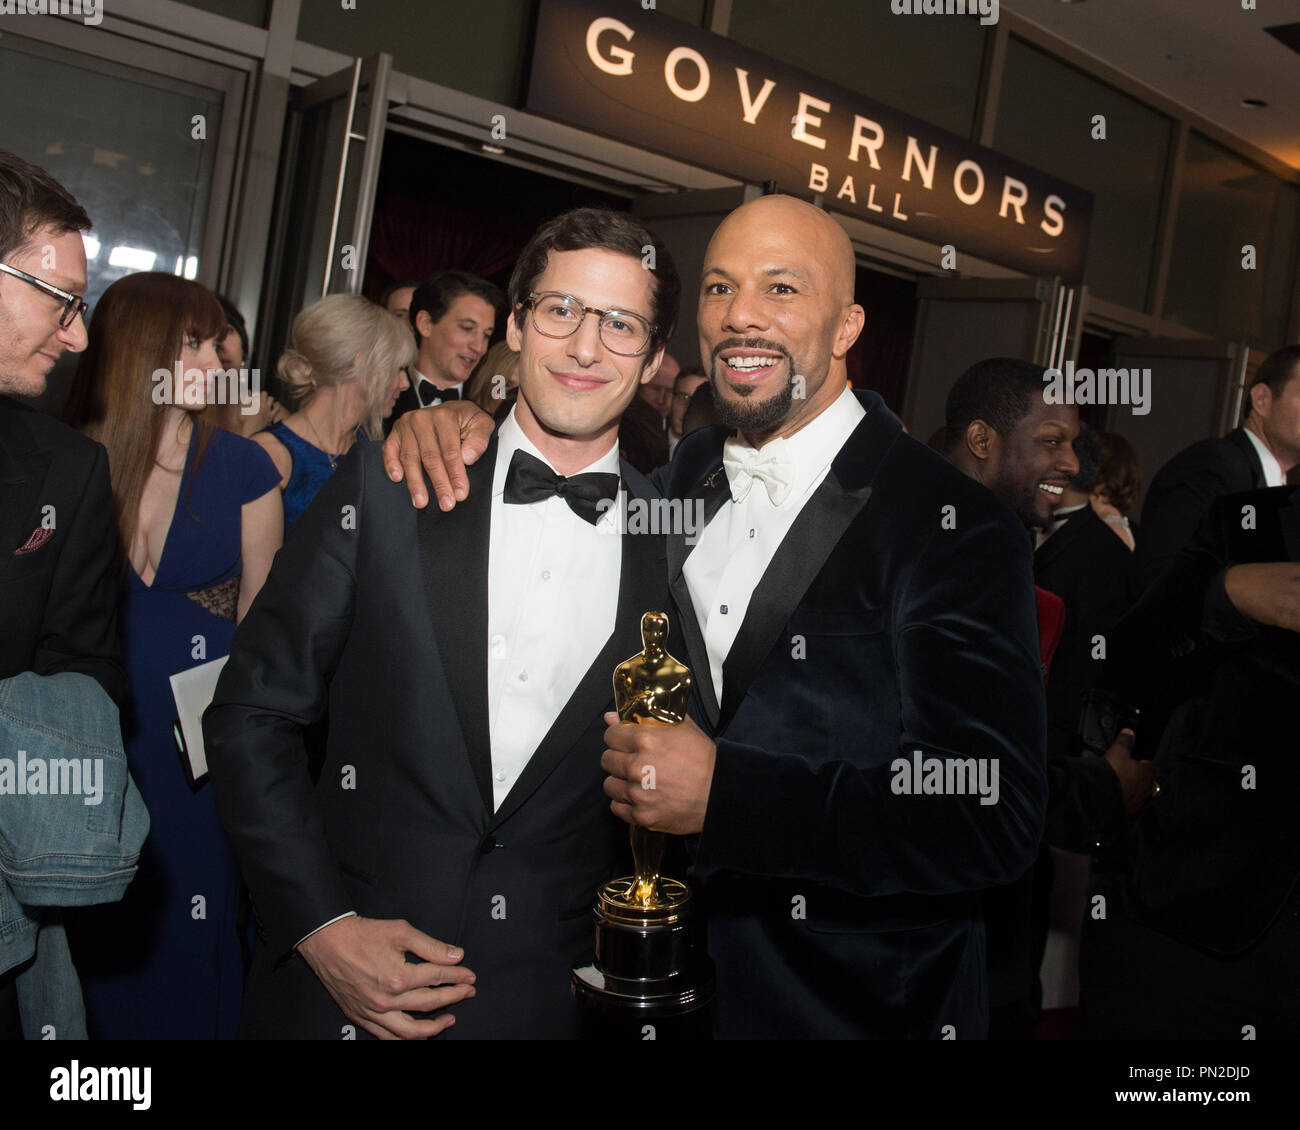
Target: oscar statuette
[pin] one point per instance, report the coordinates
(648, 968)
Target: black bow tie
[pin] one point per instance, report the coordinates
(430, 393)
(531, 480)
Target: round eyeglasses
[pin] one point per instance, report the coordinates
(560, 315)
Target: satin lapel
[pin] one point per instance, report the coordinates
(22, 474)
(454, 568)
(714, 490)
(799, 559)
(640, 586)
(805, 549)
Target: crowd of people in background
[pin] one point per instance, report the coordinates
(1167, 641)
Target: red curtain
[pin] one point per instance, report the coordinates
(411, 238)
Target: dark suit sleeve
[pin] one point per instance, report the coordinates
(970, 686)
(79, 628)
(274, 685)
(1166, 647)
(1178, 501)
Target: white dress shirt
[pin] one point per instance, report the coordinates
(1273, 475)
(553, 583)
(552, 596)
(419, 378)
(738, 545)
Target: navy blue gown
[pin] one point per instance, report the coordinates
(311, 468)
(165, 963)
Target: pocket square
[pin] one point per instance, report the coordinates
(37, 538)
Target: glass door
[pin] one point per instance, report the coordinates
(329, 170)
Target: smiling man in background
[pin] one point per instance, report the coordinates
(453, 314)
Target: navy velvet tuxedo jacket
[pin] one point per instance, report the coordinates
(836, 906)
(381, 618)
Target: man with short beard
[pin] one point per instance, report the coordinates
(1000, 431)
(854, 607)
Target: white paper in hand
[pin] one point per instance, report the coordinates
(193, 690)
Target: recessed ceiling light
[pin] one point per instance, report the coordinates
(492, 149)
(1254, 103)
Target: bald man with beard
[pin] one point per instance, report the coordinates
(867, 748)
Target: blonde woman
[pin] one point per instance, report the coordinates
(340, 380)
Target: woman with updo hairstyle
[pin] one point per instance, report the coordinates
(340, 380)
(199, 519)
(1117, 485)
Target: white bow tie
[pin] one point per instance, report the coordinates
(772, 466)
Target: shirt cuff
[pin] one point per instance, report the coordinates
(349, 914)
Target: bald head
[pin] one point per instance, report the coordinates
(806, 223)
(776, 315)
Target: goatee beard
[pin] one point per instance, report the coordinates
(747, 415)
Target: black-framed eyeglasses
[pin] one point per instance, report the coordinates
(560, 315)
(73, 304)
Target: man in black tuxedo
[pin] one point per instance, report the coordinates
(453, 314)
(1088, 567)
(859, 614)
(58, 591)
(1200, 936)
(460, 796)
(868, 748)
(1000, 431)
(1257, 454)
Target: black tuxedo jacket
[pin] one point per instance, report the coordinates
(407, 401)
(838, 907)
(1217, 857)
(378, 613)
(58, 588)
(1090, 569)
(1181, 493)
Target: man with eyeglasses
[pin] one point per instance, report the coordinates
(58, 593)
(458, 832)
(865, 752)
(684, 386)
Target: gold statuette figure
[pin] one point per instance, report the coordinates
(650, 689)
